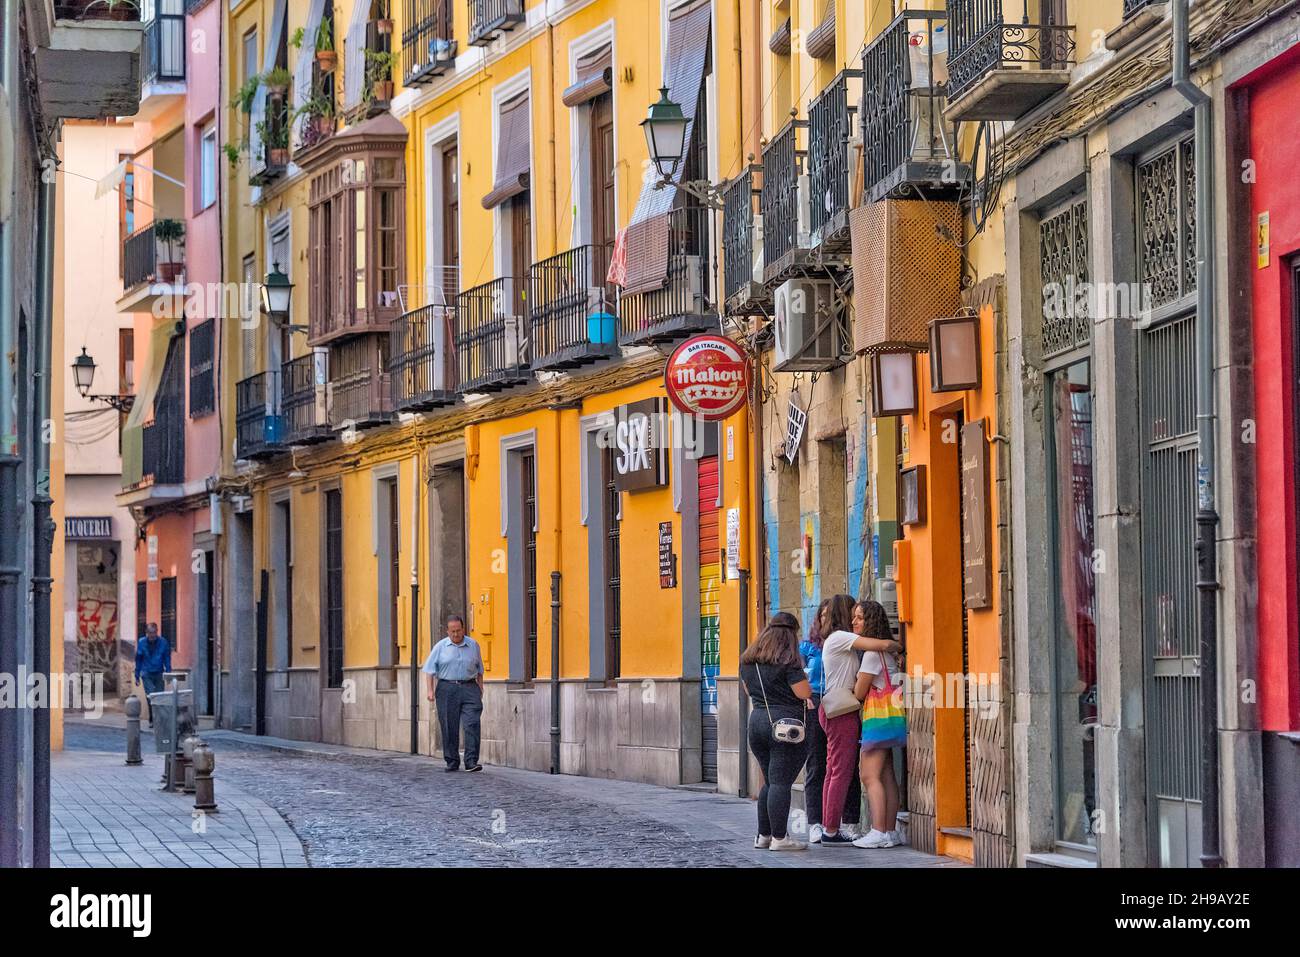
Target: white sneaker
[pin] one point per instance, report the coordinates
(851, 831)
(787, 844)
(873, 838)
(762, 843)
(815, 834)
(896, 838)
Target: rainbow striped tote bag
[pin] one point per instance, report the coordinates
(884, 723)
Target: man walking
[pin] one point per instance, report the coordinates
(153, 657)
(453, 676)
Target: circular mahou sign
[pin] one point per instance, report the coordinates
(706, 376)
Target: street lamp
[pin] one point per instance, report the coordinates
(277, 291)
(83, 375)
(665, 133)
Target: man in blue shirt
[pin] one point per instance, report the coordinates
(453, 677)
(153, 657)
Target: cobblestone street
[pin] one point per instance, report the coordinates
(362, 808)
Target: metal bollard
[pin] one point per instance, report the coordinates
(205, 763)
(133, 730)
(188, 744)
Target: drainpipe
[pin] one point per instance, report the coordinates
(1207, 518)
(414, 640)
(10, 513)
(555, 600)
(43, 529)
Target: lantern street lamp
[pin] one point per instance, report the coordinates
(665, 134)
(83, 376)
(277, 291)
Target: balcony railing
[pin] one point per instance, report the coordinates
(146, 258)
(906, 140)
(163, 447)
(683, 305)
(360, 398)
(742, 234)
(783, 220)
(303, 405)
(982, 44)
(163, 54)
(492, 336)
(428, 49)
(423, 367)
(258, 426)
(1133, 6)
(830, 125)
(488, 18)
(571, 310)
(95, 10)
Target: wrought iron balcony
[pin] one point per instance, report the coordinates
(684, 303)
(999, 70)
(139, 257)
(906, 140)
(303, 406)
(360, 394)
(785, 213)
(488, 19)
(258, 425)
(572, 311)
(831, 118)
(742, 244)
(153, 268)
(428, 50)
(1133, 6)
(492, 339)
(163, 55)
(163, 447)
(423, 366)
(84, 10)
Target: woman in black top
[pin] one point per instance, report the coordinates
(771, 671)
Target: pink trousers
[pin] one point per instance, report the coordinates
(841, 763)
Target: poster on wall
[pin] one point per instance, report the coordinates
(796, 421)
(667, 560)
(733, 543)
(975, 515)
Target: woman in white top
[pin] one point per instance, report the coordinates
(876, 764)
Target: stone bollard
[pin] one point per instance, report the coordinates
(205, 763)
(133, 730)
(188, 744)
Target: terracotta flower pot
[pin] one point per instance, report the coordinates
(384, 26)
(279, 156)
(170, 272)
(327, 60)
(383, 90)
(324, 125)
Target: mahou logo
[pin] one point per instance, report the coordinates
(706, 376)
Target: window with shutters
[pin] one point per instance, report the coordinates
(333, 618)
(202, 383)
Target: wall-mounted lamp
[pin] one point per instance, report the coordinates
(955, 354)
(893, 383)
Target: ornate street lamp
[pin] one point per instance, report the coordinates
(277, 292)
(83, 376)
(665, 135)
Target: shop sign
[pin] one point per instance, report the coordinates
(975, 515)
(77, 528)
(733, 543)
(640, 445)
(667, 560)
(796, 421)
(706, 376)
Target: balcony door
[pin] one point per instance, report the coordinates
(520, 211)
(603, 200)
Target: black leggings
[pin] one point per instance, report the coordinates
(815, 776)
(781, 763)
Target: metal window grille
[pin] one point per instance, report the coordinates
(613, 573)
(1065, 261)
(527, 465)
(202, 381)
(1166, 189)
(334, 589)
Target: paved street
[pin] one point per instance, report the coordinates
(350, 807)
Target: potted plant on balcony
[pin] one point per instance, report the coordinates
(244, 96)
(326, 57)
(277, 81)
(275, 136)
(170, 232)
(379, 73)
(384, 23)
(317, 115)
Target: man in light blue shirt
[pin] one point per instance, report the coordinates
(453, 677)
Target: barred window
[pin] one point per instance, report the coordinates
(202, 383)
(1065, 262)
(1166, 191)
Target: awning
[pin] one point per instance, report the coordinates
(820, 42)
(354, 55)
(595, 78)
(779, 42)
(647, 234)
(513, 153)
(142, 408)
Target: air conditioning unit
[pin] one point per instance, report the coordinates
(803, 202)
(807, 327)
(756, 244)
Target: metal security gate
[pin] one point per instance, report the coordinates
(710, 629)
(1166, 372)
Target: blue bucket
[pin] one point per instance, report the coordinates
(602, 329)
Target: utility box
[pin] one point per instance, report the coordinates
(160, 707)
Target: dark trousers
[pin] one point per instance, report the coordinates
(153, 683)
(781, 763)
(814, 778)
(459, 703)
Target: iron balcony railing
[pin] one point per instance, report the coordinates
(572, 311)
(361, 396)
(684, 303)
(302, 398)
(740, 220)
(163, 54)
(488, 18)
(163, 446)
(981, 41)
(139, 257)
(904, 134)
(423, 365)
(831, 118)
(96, 10)
(428, 49)
(1133, 6)
(783, 164)
(258, 426)
(492, 346)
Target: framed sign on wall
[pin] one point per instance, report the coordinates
(911, 495)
